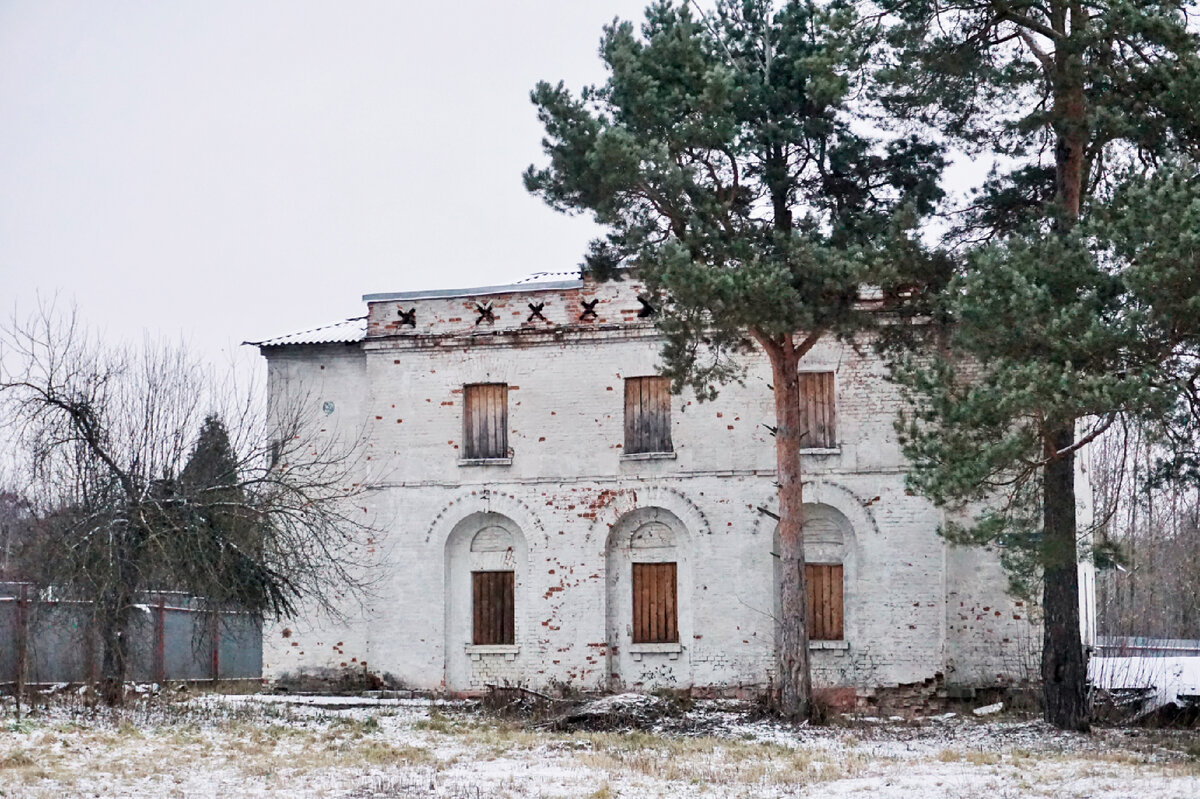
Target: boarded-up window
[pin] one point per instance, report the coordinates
(647, 414)
(485, 421)
(817, 417)
(824, 601)
(492, 607)
(655, 615)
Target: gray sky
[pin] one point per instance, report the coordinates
(225, 171)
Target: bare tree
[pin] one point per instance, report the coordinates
(103, 436)
(1149, 537)
(15, 531)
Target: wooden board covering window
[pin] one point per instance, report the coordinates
(655, 615)
(824, 601)
(485, 420)
(647, 414)
(492, 607)
(817, 413)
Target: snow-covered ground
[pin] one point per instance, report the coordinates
(264, 746)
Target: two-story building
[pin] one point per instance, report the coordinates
(554, 515)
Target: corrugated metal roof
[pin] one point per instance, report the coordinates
(538, 281)
(347, 331)
(549, 277)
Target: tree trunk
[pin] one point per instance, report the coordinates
(1064, 668)
(115, 661)
(22, 647)
(795, 678)
(1064, 671)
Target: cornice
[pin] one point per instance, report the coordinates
(512, 337)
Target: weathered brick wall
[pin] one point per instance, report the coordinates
(991, 640)
(304, 380)
(568, 485)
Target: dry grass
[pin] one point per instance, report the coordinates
(1088, 763)
(282, 751)
(113, 750)
(974, 757)
(16, 758)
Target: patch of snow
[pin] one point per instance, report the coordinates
(346, 331)
(1162, 680)
(620, 703)
(301, 747)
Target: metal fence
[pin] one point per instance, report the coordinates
(1131, 646)
(170, 637)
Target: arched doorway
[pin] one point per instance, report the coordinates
(648, 600)
(487, 562)
(831, 566)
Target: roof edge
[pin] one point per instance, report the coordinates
(478, 291)
(345, 331)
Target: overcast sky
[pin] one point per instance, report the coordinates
(226, 171)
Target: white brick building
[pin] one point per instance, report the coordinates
(518, 520)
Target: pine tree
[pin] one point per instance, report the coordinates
(217, 547)
(1048, 345)
(720, 158)
(212, 463)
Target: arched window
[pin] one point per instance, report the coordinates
(655, 599)
(648, 599)
(487, 559)
(828, 569)
(493, 581)
(824, 572)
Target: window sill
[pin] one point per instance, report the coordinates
(821, 451)
(828, 644)
(671, 650)
(477, 651)
(647, 456)
(485, 461)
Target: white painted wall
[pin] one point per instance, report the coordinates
(916, 607)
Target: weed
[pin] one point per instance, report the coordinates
(437, 722)
(20, 726)
(128, 729)
(378, 753)
(17, 758)
(676, 701)
(982, 758)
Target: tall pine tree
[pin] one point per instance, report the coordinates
(1073, 95)
(719, 156)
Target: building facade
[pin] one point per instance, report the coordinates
(553, 515)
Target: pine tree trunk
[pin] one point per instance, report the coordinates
(795, 679)
(1064, 668)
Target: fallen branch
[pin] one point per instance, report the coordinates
(494, 688)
